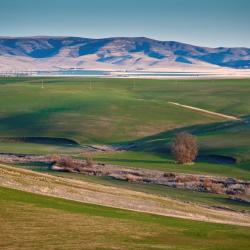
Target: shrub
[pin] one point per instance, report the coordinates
(89, 161)
(66, 162)
(133, 178)
(184, 148)
(55, 157)
(217, 188)
(169, 175)
(247, 190)
(207, 184)
(187, 178)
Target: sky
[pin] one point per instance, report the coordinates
(210, 23)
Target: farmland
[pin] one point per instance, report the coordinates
(68, 116)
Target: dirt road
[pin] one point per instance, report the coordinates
(229, 117)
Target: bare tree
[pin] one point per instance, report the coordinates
(184, 148)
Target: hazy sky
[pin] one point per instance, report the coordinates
(201, 22)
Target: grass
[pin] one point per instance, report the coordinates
(68, 108)
(118, 111)
(37, 148)
(29, 221)
(224, 138)
(163, 162)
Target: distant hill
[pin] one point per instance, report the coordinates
(24, 53)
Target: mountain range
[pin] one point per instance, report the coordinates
(118, 53)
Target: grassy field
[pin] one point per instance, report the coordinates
(120, 111)
(68, 107)
(123, 111)
(37, 148)
(28, 221)
(108, 111)
(224, 138)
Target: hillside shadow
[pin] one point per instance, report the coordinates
(159, 143)
(34, 123)
(44, 140)
(229, 201)
(200, 129)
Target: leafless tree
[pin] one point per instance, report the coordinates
(184, 148)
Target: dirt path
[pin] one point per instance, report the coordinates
(86, 192)
(229, 117)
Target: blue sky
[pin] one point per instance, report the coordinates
(202, 22)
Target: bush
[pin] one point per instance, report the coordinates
(169, 175)
(187, 178)
(89, 162)
(217, 188)
(133, 178)
(184, 148)
(207, 184)
(65, 162)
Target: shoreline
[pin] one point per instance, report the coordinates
(136, 75)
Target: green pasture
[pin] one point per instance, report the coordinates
(121, 111)
(29, 221)
(113, 110)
